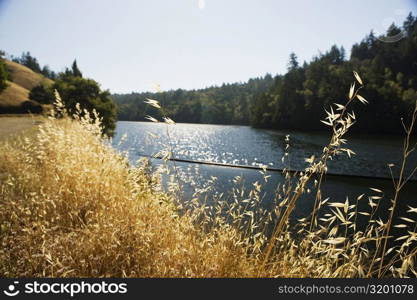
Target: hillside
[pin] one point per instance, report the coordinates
(15, 98)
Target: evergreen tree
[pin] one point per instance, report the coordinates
(47, 72)
(29, 61)
(389, 70)
(3, 73)
(75, 71)
(293, 62)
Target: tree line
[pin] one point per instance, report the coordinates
(296, 99)
(27, 60)
(225, 104)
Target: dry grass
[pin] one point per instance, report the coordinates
(25, 77)
(23, 80)
(12, 125)
(14, 95)
(72, 206)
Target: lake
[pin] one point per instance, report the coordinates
(243, 145)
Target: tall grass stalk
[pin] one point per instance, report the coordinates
(340, 123)
(402, 180)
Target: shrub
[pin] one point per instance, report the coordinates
(42, 94)
(87, 92)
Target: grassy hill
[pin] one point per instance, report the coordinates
(15, 98)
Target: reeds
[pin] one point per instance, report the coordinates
(71, 206)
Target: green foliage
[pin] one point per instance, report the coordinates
(42, 94)
(87, 93)
(390, 70)
(3, 76)
(73, 88)
(75, 71)
(227, 104)
(293, 62)
(47, 72)
(289, 101)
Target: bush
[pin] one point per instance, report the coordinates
(42, 94)
(31, 107)
(87, 92)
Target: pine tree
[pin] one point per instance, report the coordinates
(3, 73)
(75, 71)
(293, 62)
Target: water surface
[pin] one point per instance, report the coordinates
(244, 145)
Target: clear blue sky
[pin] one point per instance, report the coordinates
(130, 45)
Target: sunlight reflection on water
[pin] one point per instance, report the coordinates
(248, 146)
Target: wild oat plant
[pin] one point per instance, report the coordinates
(72, 206)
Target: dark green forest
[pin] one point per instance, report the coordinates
(297, 99)
(226, 104)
